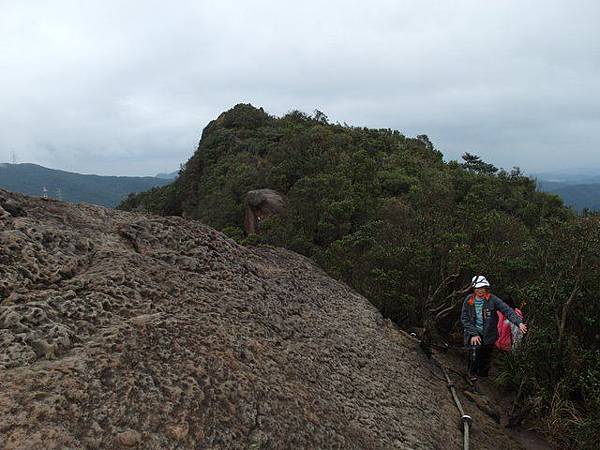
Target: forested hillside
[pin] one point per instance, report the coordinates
(387, 215)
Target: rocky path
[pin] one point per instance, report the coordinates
(488, 398)
(125, 331)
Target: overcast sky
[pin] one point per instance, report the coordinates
(125, 87)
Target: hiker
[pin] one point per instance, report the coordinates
(480, 323)
(509, 334)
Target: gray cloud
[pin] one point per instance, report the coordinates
(126, 87)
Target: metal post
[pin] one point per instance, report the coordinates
(465, 419)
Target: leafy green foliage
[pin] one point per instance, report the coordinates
(387, 215)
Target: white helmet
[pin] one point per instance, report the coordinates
(479, 281)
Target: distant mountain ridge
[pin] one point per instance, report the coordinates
(579, 188)
(577, 196)
(168, 176)
(586, 175)
(73, 187)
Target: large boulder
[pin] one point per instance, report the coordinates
(10, 207)
(260, 204)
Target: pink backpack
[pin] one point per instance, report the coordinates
(505, 340)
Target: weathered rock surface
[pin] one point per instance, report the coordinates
(260, 204)
(124, 331)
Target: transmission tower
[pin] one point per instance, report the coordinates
(13, 157)
(45, 193)
(59, 194)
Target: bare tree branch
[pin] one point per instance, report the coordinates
(455, 299)
(444, 284)
(577, 266)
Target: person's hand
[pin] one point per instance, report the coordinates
(523, 328)
(475, 340)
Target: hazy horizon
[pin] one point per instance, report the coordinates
(116, 88)
(569, 170)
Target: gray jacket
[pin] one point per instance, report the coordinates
(490, 318)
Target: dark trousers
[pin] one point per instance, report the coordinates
(479, 361)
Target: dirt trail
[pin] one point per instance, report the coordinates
(120, 330)
(488, 400)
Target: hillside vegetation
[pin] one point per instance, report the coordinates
(387, 215)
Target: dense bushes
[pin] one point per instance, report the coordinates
(386, 214)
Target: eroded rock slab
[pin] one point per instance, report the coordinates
(124, 331)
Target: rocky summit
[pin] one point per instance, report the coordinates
(119, 330)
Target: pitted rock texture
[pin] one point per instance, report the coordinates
(124, 331)
(261, 204)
